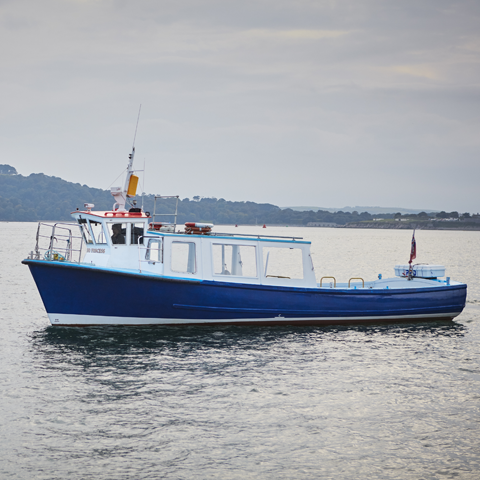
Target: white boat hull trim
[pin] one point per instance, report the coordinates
(65, 320)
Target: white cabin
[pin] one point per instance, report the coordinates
(125, 241)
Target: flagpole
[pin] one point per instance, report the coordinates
(413, 255)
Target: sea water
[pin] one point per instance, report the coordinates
(376, 402)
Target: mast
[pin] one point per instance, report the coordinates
(131, 181)
(130, 188)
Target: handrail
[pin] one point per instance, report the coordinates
(218, 234)
(143, 248)
(334, 281)
(357, 278)
(61, 234)
(174, 215)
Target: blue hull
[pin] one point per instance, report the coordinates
(84, 292)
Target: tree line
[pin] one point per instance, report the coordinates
(42, 197)
(433, 216)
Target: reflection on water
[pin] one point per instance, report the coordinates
(156, 339)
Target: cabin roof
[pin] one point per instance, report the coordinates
(241, 238)
(123, 215)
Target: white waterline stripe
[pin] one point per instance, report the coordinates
(68, 319)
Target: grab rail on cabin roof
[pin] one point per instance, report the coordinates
(217, 234)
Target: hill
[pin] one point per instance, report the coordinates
(41, 197)
(7, 170)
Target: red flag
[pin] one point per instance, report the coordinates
(413, 250)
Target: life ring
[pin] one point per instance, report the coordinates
(155, 225)
(194, 228)
(199, 225)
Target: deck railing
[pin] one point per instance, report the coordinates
(62, 242)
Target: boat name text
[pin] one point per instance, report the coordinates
(95, 250)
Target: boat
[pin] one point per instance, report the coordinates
(126, 267)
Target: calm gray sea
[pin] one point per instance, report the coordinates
(376, 402)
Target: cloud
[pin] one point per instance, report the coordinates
(424, 71)
(300, 99)
(298, 34)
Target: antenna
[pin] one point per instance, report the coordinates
(138, 119)
(143, 182)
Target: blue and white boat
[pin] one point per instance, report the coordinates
(121, 267)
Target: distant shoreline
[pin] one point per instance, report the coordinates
(454, 226)
(364, 225)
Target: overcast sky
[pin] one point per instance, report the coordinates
(290, 102)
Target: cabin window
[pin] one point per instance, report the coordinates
(136, 233)
(117, 233)
(97, 232)
(154, 252)
(282, 262)
(86, 231)
(183, 257)
(239, 260)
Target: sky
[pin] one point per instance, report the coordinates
(289, 102)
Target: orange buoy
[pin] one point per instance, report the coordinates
(264, 226)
